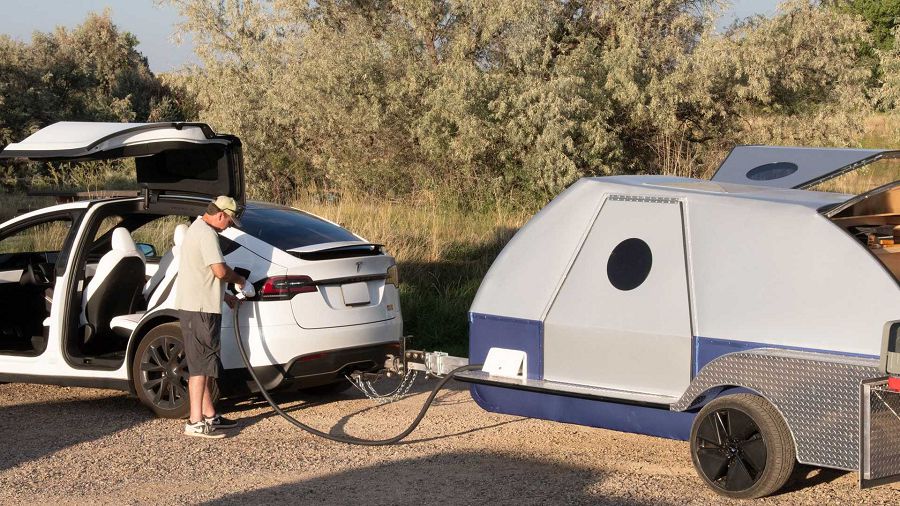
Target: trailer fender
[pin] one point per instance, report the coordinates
(818, 395)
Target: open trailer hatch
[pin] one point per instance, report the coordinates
(792, 167)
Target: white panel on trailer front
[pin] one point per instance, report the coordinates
(637, 339)
(526, 274)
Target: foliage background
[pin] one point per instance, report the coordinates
(437, 126)
(473, 102)
(511, 101)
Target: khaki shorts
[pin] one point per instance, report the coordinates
(201, 342)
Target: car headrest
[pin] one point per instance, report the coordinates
(180, 230)
(122, 241)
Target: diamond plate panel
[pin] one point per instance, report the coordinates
(818, 394)
(880, 452)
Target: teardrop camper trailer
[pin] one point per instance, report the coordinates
(748, 314)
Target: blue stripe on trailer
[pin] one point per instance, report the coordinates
(489, 331)
(706, 349)
(658, 422)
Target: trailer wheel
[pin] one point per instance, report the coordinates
(742, 447)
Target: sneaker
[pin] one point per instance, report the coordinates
(201, 429)
(220, 422)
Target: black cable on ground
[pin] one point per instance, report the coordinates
(342, 439)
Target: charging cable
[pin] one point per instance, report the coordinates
(249, 292)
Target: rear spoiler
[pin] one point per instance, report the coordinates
(330, 251)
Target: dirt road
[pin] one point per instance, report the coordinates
(72, 445)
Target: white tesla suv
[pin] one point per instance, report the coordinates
(87, 287)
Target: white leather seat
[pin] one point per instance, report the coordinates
(167, 283)
(165, 263)
(124, 325)
(115, 288)
(162, 289)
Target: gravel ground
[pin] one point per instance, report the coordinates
(72, 445)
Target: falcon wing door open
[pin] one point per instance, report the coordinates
(170, 158)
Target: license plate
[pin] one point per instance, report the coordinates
(355, 294)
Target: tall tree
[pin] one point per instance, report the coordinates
(470, 98)
(92, 73)
(881, 15)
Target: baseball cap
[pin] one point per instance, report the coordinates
(228, 206)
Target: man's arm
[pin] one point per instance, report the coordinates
(227, 275)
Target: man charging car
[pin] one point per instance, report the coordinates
(199, 290)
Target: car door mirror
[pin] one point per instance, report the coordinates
(146, 249)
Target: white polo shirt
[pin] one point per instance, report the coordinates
(196, 288)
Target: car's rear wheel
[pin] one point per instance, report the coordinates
(742, 447)
(159, 372)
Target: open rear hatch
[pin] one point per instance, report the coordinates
(873, 218)
(871, 211)
(170, 158)
(791, 167)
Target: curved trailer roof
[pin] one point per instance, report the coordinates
(750, 252)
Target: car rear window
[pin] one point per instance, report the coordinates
(287, 228)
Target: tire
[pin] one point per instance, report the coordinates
(742, 447)
(159, 372)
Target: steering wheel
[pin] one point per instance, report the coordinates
(37, 273)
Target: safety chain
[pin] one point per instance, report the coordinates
(368, 389)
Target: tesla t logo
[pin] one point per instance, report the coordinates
(358, 266)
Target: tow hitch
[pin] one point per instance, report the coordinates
(431, 363)
(408, 365)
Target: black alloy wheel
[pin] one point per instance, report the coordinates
(741, 446)
(731, 451)
(159, 372)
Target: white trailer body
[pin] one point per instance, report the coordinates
(639, 299)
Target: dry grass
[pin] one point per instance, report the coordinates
(881, 131)
(44, 237)
(14, 204)
(872, 176)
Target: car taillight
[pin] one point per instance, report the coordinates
(285, 287)
(393, 276)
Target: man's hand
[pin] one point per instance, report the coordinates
(227, 275)
(232, 301)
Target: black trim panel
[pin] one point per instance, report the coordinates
(305, 374)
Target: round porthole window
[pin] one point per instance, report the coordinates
(770, 171)
(629, 264)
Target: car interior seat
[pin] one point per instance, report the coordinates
(124, 325)
(167, 282)
(162, 271)
(114, 290)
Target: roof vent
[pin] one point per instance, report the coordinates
(770, 171)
